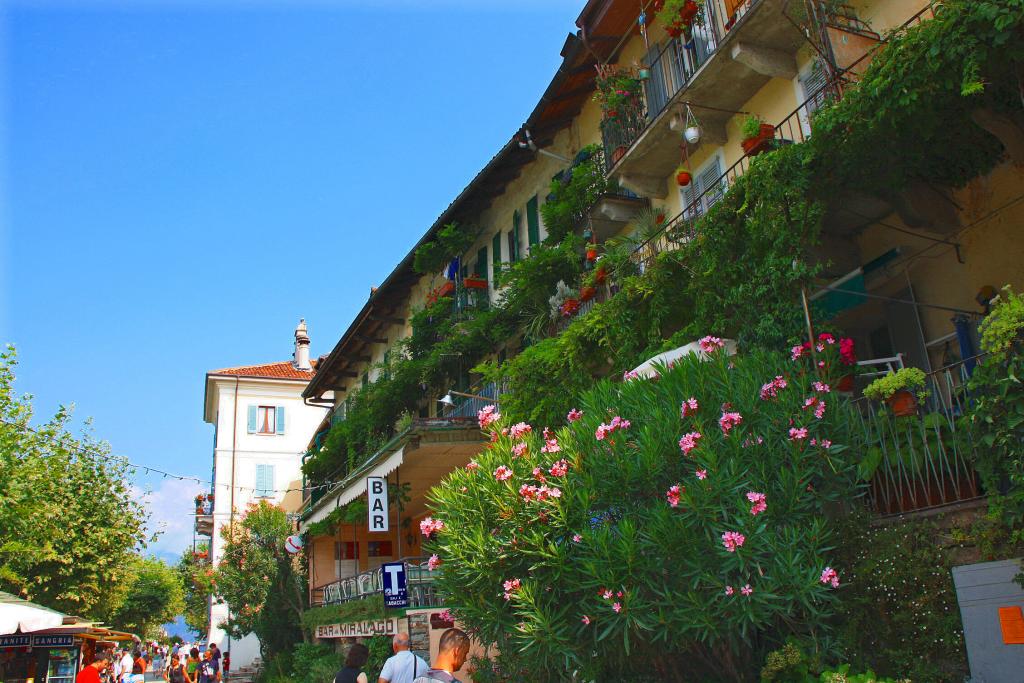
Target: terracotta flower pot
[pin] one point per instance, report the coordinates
(600, 275)
(683, 178)
(587, 293)
(845, 383)
(591, 254)
(902, 403)
(570, 306)
(761, 142)
(475, 283)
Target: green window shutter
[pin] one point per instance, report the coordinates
(496, 256)
(252, 420)
(532, 222)
(481, 263)
(513, 238)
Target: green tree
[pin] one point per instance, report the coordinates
(260, 581)
(196, 578)
(68, 514)
(154, 597)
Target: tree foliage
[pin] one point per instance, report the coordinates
(261, 583)
(195, 575)
(572, 551)
(154, 597)
(69, 518)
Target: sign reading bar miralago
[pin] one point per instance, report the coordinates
(359, 629)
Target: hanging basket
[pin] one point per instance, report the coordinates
(591, 254)
(475, 283)
(683, 177)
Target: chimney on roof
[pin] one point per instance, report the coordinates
(301, 358)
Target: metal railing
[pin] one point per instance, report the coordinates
(419, 586)
(921, 461)
(490, 393)
(671, 69)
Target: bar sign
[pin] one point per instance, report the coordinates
(377, 503)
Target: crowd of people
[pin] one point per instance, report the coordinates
(405, 666)
(178, 664)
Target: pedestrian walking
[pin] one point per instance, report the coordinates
(353, 672)
(175, 672)
(125, 665)
(452, 653)
(403, 666)
(209, 669)
(226, 665)
(192, 665)
(91, 672)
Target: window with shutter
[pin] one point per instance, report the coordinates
(252, 419)
(280, 419)
(496, 253)
(706, 188)
(267, 420)
(812, 93)
(532, 222)
(655, 85)
(264, 481)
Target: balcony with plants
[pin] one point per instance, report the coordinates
(718, 54)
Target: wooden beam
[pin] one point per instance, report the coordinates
(387, 319)
(346, 373)
(371, 340)
(568, 94)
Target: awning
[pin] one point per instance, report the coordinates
(17, 615)
(353, 487)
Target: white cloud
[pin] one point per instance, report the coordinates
(171, 504)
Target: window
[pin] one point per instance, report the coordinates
(264, 481)
(496, 254)
(266, 420)
(705, 190)
(513, 238)
(532, 222)
(812, 93)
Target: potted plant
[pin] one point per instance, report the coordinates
(683, 177)
(677, 16)
(445, 290)
(475, 282)
(587, 292)
(898, 389)
(591, 252)
(618, 91)
(570, 306)
(757, 135)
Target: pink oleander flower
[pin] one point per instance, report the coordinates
(702, 474)
(710, 344)
(550, 446)
(760, 502)
(797, 352)
(511, 586)
(560, 468)
(538, 473)
(607, 594)
(830, 576)
(574, 415)
(617, 607)
(689, 407)
(528, 492)
(819, 411)
(434, 562)
(827, 337)
(576, 538)
(487, 416)
(472, 466)
(797, 434)
(728, 421)
(847, 356)
(520, 449)
(810, 401)
(585, 620)
(821, 387)
(603, 430)
(502, 473)
(825, 443)
(430, 526)
(746, 590)
(545, 492)
(771, 389)
(672, 495)
(732, 540)
(629, 375)
(518, 430)
(689, 442)
(729, 590)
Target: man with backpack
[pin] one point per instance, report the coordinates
(403, 666)
(453, 651)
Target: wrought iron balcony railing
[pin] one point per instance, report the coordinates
(419, 586)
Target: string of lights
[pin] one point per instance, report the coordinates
(149, 469)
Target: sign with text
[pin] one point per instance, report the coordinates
(53, 641)
(359, 629)
(15, 641)
(393, 575)
(377, 503)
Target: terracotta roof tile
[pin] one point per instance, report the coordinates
(282, 370)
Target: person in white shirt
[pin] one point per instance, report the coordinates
(126, 664)
(404, 666)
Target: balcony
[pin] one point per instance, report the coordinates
(419, 586)
(468, 407)
(922, 462)
(739, 48)
(204, 515)
(613, 206)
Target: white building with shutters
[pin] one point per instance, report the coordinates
(261, 429)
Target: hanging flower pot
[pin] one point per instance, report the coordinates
(643, 74)
(683, 177)
(600, 275)
(447, 289)
(688, 12)
(475, 283)
(591, 254)
(902, 403)
(587, 293)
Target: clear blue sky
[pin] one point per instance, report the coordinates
(185, 180)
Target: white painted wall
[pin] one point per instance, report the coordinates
(237, 452)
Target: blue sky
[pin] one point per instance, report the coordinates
(185, 180)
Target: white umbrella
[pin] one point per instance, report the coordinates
(648, 367)
(16, 614)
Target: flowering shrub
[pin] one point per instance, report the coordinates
(624, 550)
